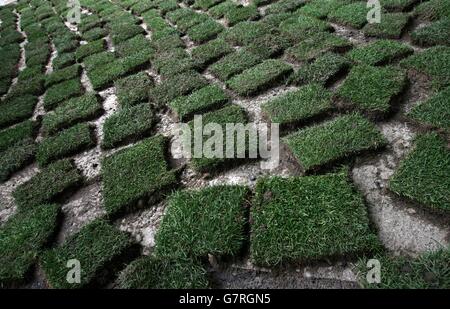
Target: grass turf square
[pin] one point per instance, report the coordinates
(241, 13)
(210, 52)
(245, 32)
(205, 4)
(133, 89)
(190, 20)
(423, 175)
(390, 27)
(62, 75)
(90, 48)
(208, 221)
(22, 239)
(71, 112)
(205, 31)
(10, 136)
(219, 10)
(231, 114)
(16, 157)
(353, 15)
(233, 64)
(64, 60)
(320, 8)
(433, 10)
(142, 167)
(94, 34)
(284, 6)
(434, 62)
(268, 46)
(331, 141)
(16, 109)
(178, 85)
(61, 92)
(437, 33)
(317, 44)
(300, 105)
(202, 100)
(49, 184)
(163, 273)
(99, 59)
(128, 124)
(65, 143)
(302, 24)
(322, 70)
(301, 219)
(434, 112)
(123, 31)
(380, 52)
(372, 89)
(137, 44)
(98, 246)
(259, 77)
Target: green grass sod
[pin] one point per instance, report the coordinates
(300, 105)
(207, 221)
(210, 52)
(66, 45)
(16, 109)
(391, 26)
(16, 157)
(66, 143)
(98, 246)
(94, 34)
(433, 10)
(241, 13)
(62, 75)
(12, 135)
(434, 62)
(169, 58)
(128, 124)
(302, 219)
(163, 273)
(284, 6)
(104, 76)
(331, 141)
(205, 99)
(71, 112)
(259, 77)
(33, 86)
(179, 14)
(246, 32)
(63, 60)
(233, 64)
(434, 112)
(429, 270)
(167, 6)
(49, 184)
(274, 20)
(122, 32)
(373, 89)
(316, 45)
(89, 22)
(140, 7)
(99, 59)
(205, 31)
(219, 10)
(139, 43)
(437, 33)
(90, 48)
(300, 25)
(423, 175)
(133, 89)
(61, 92)
(380, 52)
(397, 5)
(353, 15)
(30, 73)
(22, 239)
(205, 4)
(268, 46)
(136, 62)
(178, 85)
(189, 21)
(5, 83)
(322, 70)
(231, 114)
(320, 8)
(142, 167)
